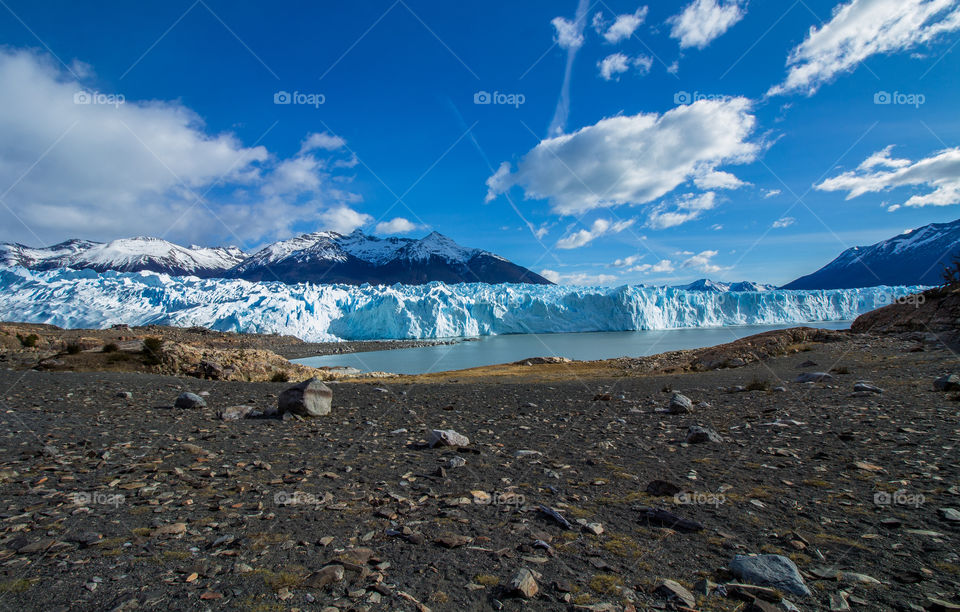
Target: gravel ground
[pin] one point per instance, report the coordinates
(110, 502)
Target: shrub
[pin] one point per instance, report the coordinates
(110, 348)
(28, 341)
(280, 377)
(951, 273)
(758, 384)
(151, 350)
(73, 348)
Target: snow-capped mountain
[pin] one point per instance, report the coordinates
(705, 284)
(916, 257)
(329, 257)
(125, 255)
(321, 312)
(321, 257)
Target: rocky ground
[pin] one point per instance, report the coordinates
(578, 488)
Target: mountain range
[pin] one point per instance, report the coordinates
(915, 257)
(321, 257)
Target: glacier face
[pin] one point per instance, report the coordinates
(85, 298)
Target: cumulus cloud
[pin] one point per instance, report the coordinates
(78, 167)
(783, 222)
(770, 193)
(860, 29)
(569, 34)
(623, 26)
(702, 262)
(627, 261)
(580, 278)
(939, 174)
(703, 21)
(343, 219)
(664, 266)
(633, 159)
(687, 208)
(397, 225)
(600, 227)
(615, 64)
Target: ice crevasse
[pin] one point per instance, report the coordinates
(84, 298)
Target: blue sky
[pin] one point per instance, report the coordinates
(734, 140)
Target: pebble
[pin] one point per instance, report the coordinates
(674, 591)
(524, 584)
(680, 404)
(447, 437)
(697, 435)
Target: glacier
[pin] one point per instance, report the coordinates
(323, 313)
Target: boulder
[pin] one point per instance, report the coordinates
(814, 377)
(311, 398)
(447, 437)
(680, 404)
(951, 382)
(524, 584)
(865, 386)
(697, 435)
(774, 571)
(190, 400)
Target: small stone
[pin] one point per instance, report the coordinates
(674, 591)
(171, 530)
(813, 377)
(447, 437)
(951, 382)
(524, 584)
(950, 514)
(865, 386)
(456, 462)
(680, 404)
(326, 576)
(774, 571)
(453, 540)
(311, 398)
(190, 400)
(697, 435)
(235, 413)
(124, 395)
(939, 605)
(193, 449)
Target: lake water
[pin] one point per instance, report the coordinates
(491, 350)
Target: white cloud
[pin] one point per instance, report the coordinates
(569, 34)
(939, 173)
(321, 140)
(633, 159)
(702, 21)
(541, 231)
(627, 261)
(770, 193)
(716, 227)
(702, 262)
(600, 227)
(589, 280)
(397, 225)
(343, 219)
(615, 64)
(688, 208)
(664, 266)
(624, 26)
(859, 29)
(783, 222)
(102, 171)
